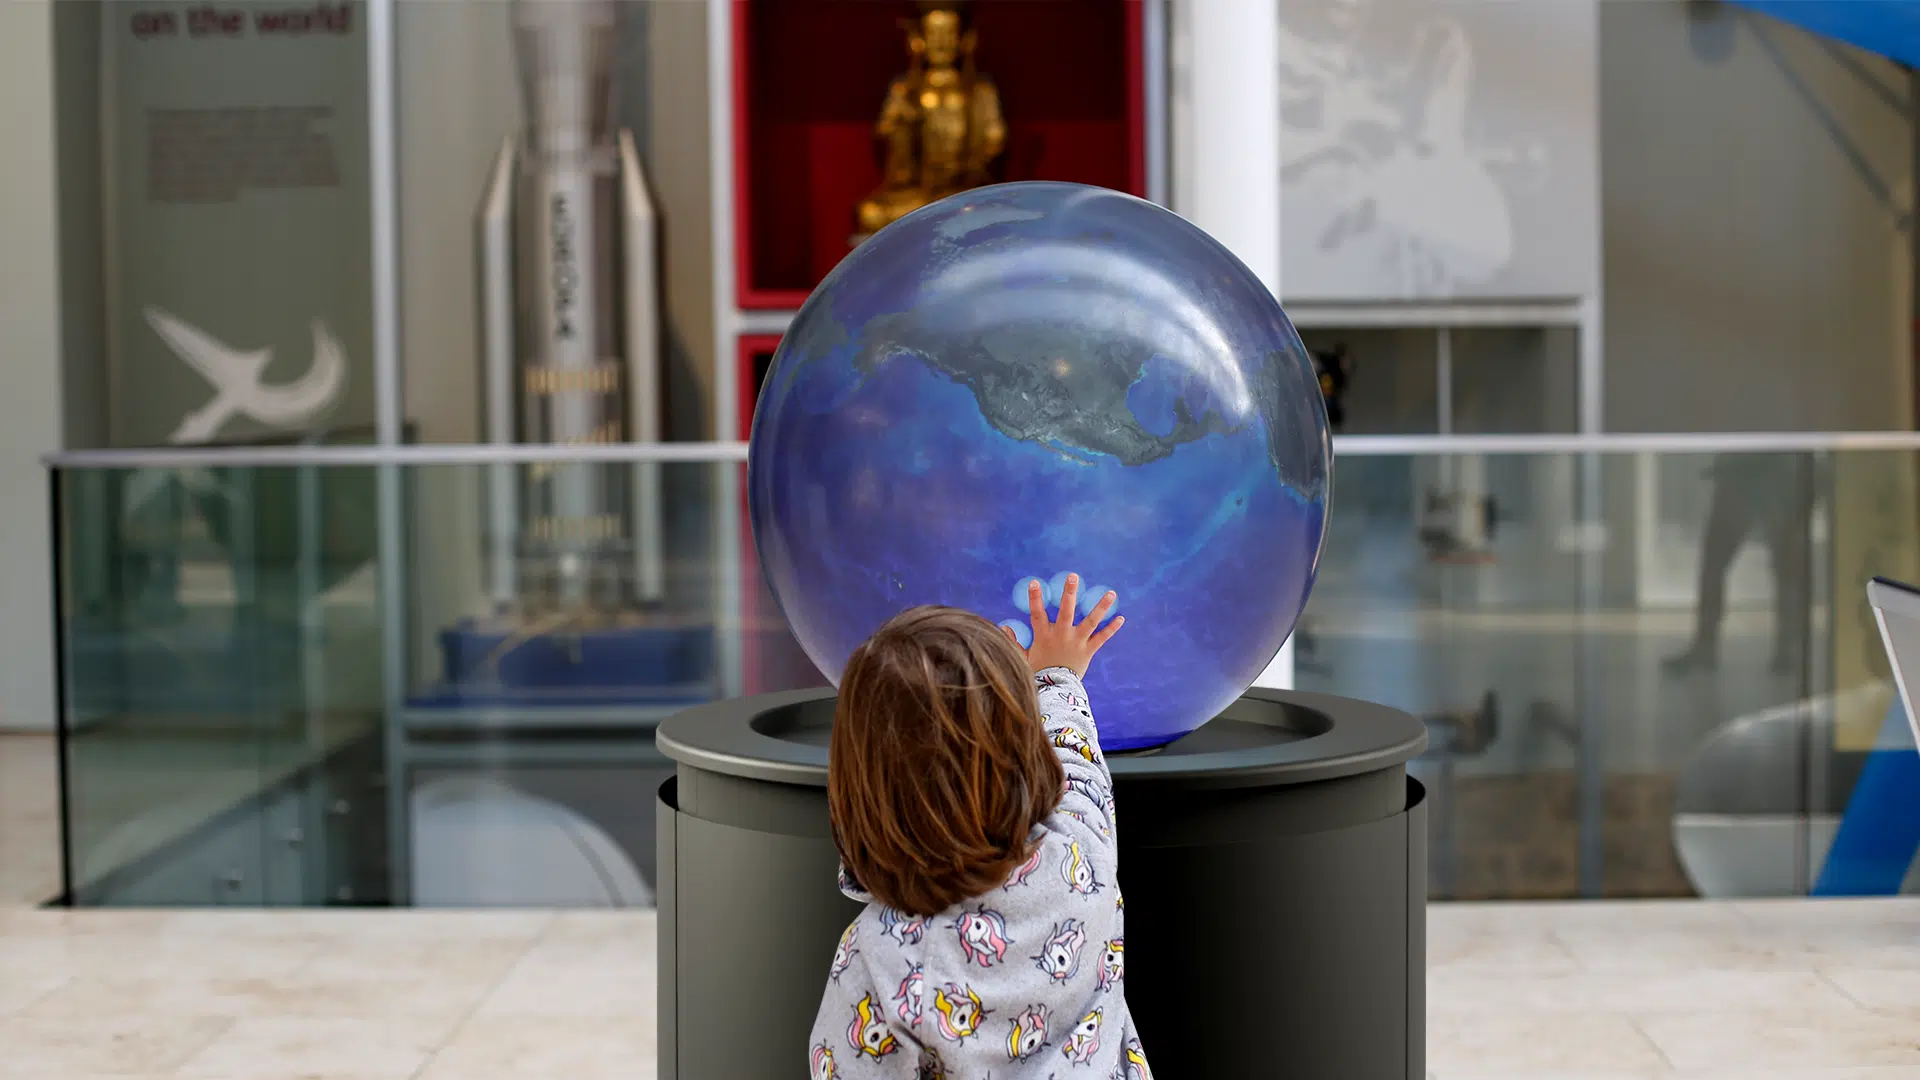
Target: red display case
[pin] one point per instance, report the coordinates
(770, 657)
(752, 359)
(808, 80)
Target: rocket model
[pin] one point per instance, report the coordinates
(570, 314)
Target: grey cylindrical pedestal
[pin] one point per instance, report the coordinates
(1273, 862)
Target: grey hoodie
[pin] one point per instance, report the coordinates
(1024, 983)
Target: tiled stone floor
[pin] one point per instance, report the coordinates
(326, 995)
(29, 820)
(1778, 990)
(1773, 990)
(1787, 990)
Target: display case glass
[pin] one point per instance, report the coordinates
(754, 358)
(810, 78)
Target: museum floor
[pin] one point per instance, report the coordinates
(1788, 990)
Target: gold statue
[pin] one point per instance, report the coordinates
(941, 124)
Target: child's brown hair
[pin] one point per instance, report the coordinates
(939, 767)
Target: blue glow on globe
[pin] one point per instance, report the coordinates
(1027, 379)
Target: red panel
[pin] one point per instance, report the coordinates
(770, 658)
(1136, 99)
(752, 358)
(808, 79)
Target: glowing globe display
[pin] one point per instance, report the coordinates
(1027, 379)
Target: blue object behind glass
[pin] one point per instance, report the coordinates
(1032, 378)
(1879, 835)
(1890, 28)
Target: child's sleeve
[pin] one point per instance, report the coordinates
(1068, 720)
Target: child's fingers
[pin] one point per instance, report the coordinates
(1011, 636)
(1100, 609)
(1106, 633)
(1036, 604)
(1069, 598)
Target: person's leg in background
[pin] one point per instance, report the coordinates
(1790, 550)
(1729, 520)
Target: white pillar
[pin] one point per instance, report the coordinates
(1232, 76)
(1227, 55)
(30, 414)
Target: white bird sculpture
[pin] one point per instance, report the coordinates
(236, 377)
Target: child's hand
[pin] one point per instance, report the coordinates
(1057, 642)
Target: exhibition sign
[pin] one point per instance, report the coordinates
(238, 229)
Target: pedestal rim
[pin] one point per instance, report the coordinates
(1363, 737)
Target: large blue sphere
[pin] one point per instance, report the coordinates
(1028, 379)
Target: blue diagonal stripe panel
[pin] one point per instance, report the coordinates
(1879, 835)
(1890, 28)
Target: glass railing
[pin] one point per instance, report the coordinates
(1646, 665)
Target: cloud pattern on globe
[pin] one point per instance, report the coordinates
(1030, 379)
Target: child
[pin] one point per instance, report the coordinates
(974, 816)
